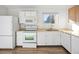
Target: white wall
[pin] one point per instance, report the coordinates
(61, 18)
(3, 10)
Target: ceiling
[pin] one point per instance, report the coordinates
(37, 6)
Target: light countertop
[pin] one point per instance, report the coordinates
(47, 30)
(71, 32)
(68, 31)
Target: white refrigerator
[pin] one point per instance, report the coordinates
(7, 32)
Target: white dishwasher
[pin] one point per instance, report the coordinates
(29, 40)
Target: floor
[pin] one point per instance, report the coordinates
(38, 50)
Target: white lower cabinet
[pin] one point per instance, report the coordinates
(66, 41)
(53, 38)
(19, 38)
(62, 38)
(48, 38)
(74, 45)
(41, 38)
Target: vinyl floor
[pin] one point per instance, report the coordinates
(38, 50)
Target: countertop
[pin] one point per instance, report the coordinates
(71, 32)
(47, 30)
(41, 30)
(68, 31)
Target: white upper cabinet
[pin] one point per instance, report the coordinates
(28, 17)
(30, 13)
(22, 17)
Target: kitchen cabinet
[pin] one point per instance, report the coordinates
(74, 45)
(53, 38)
(27, 16)
(48, 38)
(62, 38)
(66, 41)
(30, 13)
(20, 37)
(41, 38)
(22, 17)
(73, 14)
(77, 14)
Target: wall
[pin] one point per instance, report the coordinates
(63, 19)
(61, 16)
(3, 10)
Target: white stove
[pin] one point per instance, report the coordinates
(30, 24)
(31, 27)
(29, 40)
(29, 36)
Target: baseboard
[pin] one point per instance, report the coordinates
(49, 45)
(7, 48)
(66, 50)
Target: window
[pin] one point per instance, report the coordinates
(48, 18)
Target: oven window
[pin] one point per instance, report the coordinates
(29, 37)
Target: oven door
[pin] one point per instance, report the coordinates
(29, 36)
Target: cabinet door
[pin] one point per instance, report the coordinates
(22, 17)
(49, 38)
(30, 13)
(74, 45)
(57, 35)
(53, 38)
(62, 37)
(19, 38)
(72, 14)
(41, 38)
(77, 14)
(67, 42)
